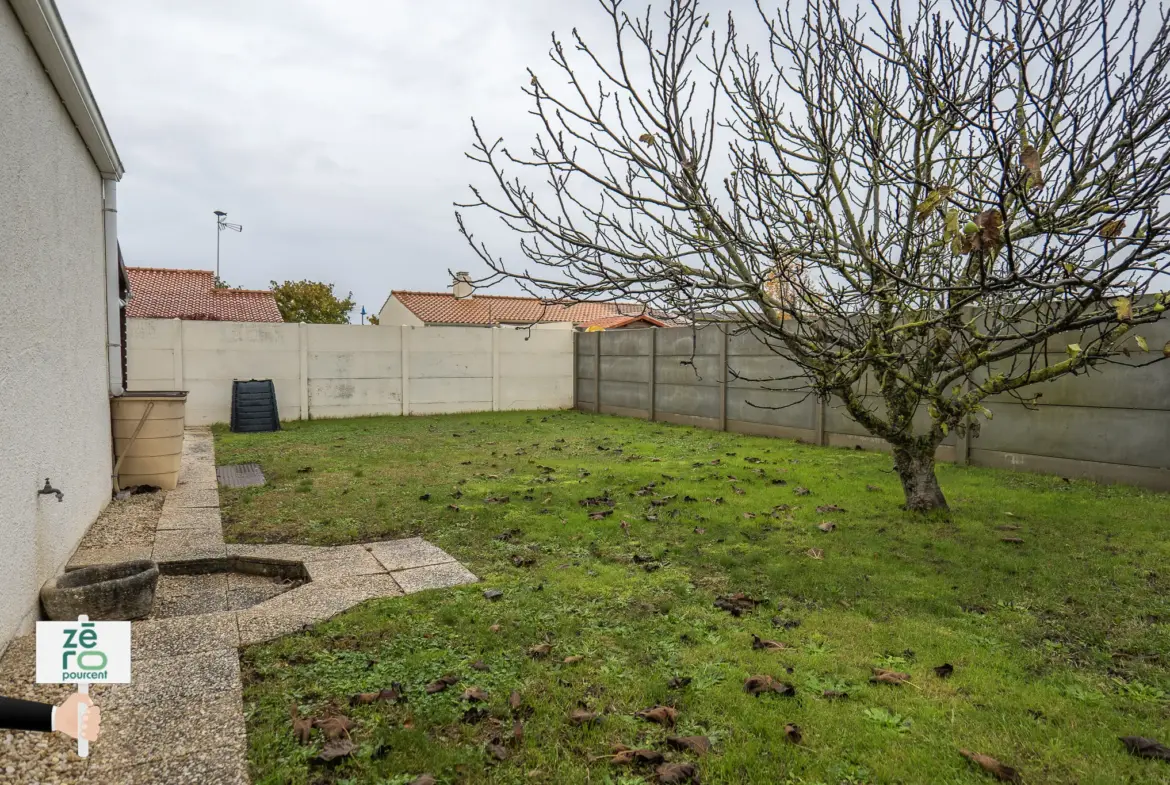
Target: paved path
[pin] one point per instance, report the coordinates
(182, 720)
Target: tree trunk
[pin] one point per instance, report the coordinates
(915, 467)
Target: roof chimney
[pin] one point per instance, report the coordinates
(461, 287)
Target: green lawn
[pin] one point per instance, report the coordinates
(1059, 645)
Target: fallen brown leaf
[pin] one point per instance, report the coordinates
(758, 643)
(480, 665)
(737, 604)
(816, 553)
(758, 685)
(600, 515)
(334, 727)
(801, 491)
(572, 659)
(303, 728)
(1146, 748)
(826, 526)
(474, 694)
(494, 628)
(1012, 540)
(700, 745)
(438, 685)
(883, 676)
(334, 749)
(640, 757)
(515, 701)
(992, 766)
(423, 779)
(540, 650)
(830, 508)
(792, 733)
(676, 773)
(518, 733)
(834, 695)
(497, 750)
(873, 487)
(663, 715)
(582, 716)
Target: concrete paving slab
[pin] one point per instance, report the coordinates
(147, 732)
(407, 554)
(280, 551)
(437, 576)
(361, 563)
(221, 766)
(91, 556)
(207, 518)
(175, 680)
(183, 635)
(184, 544)
(192, 497)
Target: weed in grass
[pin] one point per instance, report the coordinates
(887, 719)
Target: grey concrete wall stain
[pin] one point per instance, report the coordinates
(1112, 424)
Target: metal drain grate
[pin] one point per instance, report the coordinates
(240, 475)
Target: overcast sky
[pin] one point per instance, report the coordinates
(334, 132)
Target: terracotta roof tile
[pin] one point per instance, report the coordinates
(486, 309)
(612, 322)
(159, 293)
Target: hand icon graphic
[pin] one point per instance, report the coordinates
(65, 718)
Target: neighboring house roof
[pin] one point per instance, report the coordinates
(614, 322)
(481, 309)
(160, 293)
(45, 30)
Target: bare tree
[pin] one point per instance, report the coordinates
(920, 207)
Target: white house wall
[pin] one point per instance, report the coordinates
(324, 371)
(395, 314)
(54, 400)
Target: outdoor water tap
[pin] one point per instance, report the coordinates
(50, 489)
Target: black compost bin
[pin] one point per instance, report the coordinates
(254, 406)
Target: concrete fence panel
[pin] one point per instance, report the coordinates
(1112, 424)
(350, 370)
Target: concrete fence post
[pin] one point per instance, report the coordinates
(653, 369)
(495, 369)
(576, 354)
(404, 333)
(723, 329)
(597, 373)
(177, 356)
(822, 437)
(303, 374)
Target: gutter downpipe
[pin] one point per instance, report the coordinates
(113, 279)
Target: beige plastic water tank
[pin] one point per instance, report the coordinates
(153, 457)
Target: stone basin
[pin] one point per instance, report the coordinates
(105, 592)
